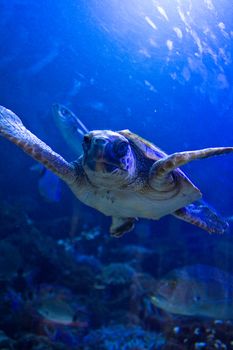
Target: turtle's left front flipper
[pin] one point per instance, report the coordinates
(12, 128)
(161, 171)
(201, 215)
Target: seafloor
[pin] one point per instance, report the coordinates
(105, 284)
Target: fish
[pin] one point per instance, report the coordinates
(196, 290)
(70, 126)
(58, 312)
(72, 130)
(56, 307)
(49, 185)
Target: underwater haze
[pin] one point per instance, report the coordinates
(162, 69)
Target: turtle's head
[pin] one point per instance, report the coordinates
(108, 159)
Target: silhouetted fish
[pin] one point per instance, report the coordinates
(49, 185)
(72, 130)
(70, 126)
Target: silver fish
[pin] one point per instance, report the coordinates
(70, 126)
(196, 290)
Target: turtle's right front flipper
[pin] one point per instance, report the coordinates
(12, 128)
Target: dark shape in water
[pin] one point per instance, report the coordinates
(72, 130)
(49, 185)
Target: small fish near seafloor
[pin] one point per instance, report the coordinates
(58, 312)
(196, 290)
(57, 307)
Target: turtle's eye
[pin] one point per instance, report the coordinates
(86, 142)
(121, 149)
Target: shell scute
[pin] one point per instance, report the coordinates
(148, 149)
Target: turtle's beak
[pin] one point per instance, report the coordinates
(98, 156)
(99, 146)
(97, 149)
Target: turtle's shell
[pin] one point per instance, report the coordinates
(148, 149)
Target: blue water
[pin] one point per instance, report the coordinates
(162, 69)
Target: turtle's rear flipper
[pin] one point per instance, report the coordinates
(201, 215)
(121, 225)
(12, 128)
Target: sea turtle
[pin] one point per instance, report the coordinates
(123, 176)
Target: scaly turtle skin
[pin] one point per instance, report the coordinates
(123, 176)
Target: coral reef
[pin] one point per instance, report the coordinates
(119, 337)
(202, 335)
(77, 293)
(117, 274)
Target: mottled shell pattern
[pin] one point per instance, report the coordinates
(148, 149)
